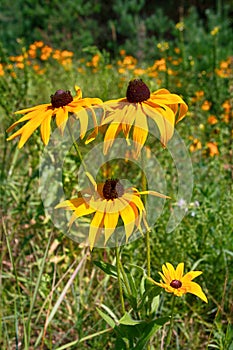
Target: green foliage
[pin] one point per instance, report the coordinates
(37, 276)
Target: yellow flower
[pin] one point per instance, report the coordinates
(174, 281)
(109, 202)
(164, 108)
(62, 103)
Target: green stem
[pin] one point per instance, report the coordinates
(168, 340)
(147, 237)
(118, 266)
(148, 252)
(125, 279)
(76, 146)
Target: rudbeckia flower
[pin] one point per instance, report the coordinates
(109, 202)
(162, 107)
(174, 281)
(62, 103)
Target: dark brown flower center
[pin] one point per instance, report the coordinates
(113, 189)
(175, 284)
(61, 98)
(137, 91)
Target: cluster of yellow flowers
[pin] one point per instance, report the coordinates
(110, 201)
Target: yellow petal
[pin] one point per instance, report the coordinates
(179, 271)
(61, 118)
(170, 271)
(45, 130)
(38, 108)
(110, 136)
(128, 217)
(96, 224)
(79, 205)
(165, 278)
(154, 193)
(31, 126)
(83, 119)
(191, 275)
(140, 130)
(110, 223)
(134, 199)
(78, 92)
(195, 289)
(164, 118)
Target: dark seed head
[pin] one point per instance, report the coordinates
(137, 91)
(113, 189)
(175, 284)
(61, 98)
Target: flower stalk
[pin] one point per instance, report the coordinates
(118, 266)
(169, 334)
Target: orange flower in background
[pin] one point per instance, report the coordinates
(212, 120)
(225, 70)
(228, 112)
(206, 105)
(198, 96)
(1, 70)
(162, 107)
(62, 103)
(213, 149)
(195, 146)
(45, 52)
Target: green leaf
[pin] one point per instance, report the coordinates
(106, 318)
(151, 328)
(106, 267)
(228, 343)
(127, 320)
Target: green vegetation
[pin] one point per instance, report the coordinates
(52, 288)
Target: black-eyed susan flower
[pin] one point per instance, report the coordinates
(62, 103)
(109, 202)
(174, 281)
(162, 107)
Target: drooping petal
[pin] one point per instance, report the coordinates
(164, 118)
(110, 223)
(82, 115)
(128, 217)
(45, 129)
(140, 130)
(195, 289)
(95, 226)
(110, 135)
(27, 130)
(61, 118)
(135, 199)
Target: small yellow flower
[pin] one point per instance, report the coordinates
(62, 103)
(174, 281)
(215, 31)
(162, 107)
(109, 202)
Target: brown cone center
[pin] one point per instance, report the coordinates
(61, 98)
(175, 284)
(113, 189)
(137, 91)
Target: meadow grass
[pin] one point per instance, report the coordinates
(50, 285)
